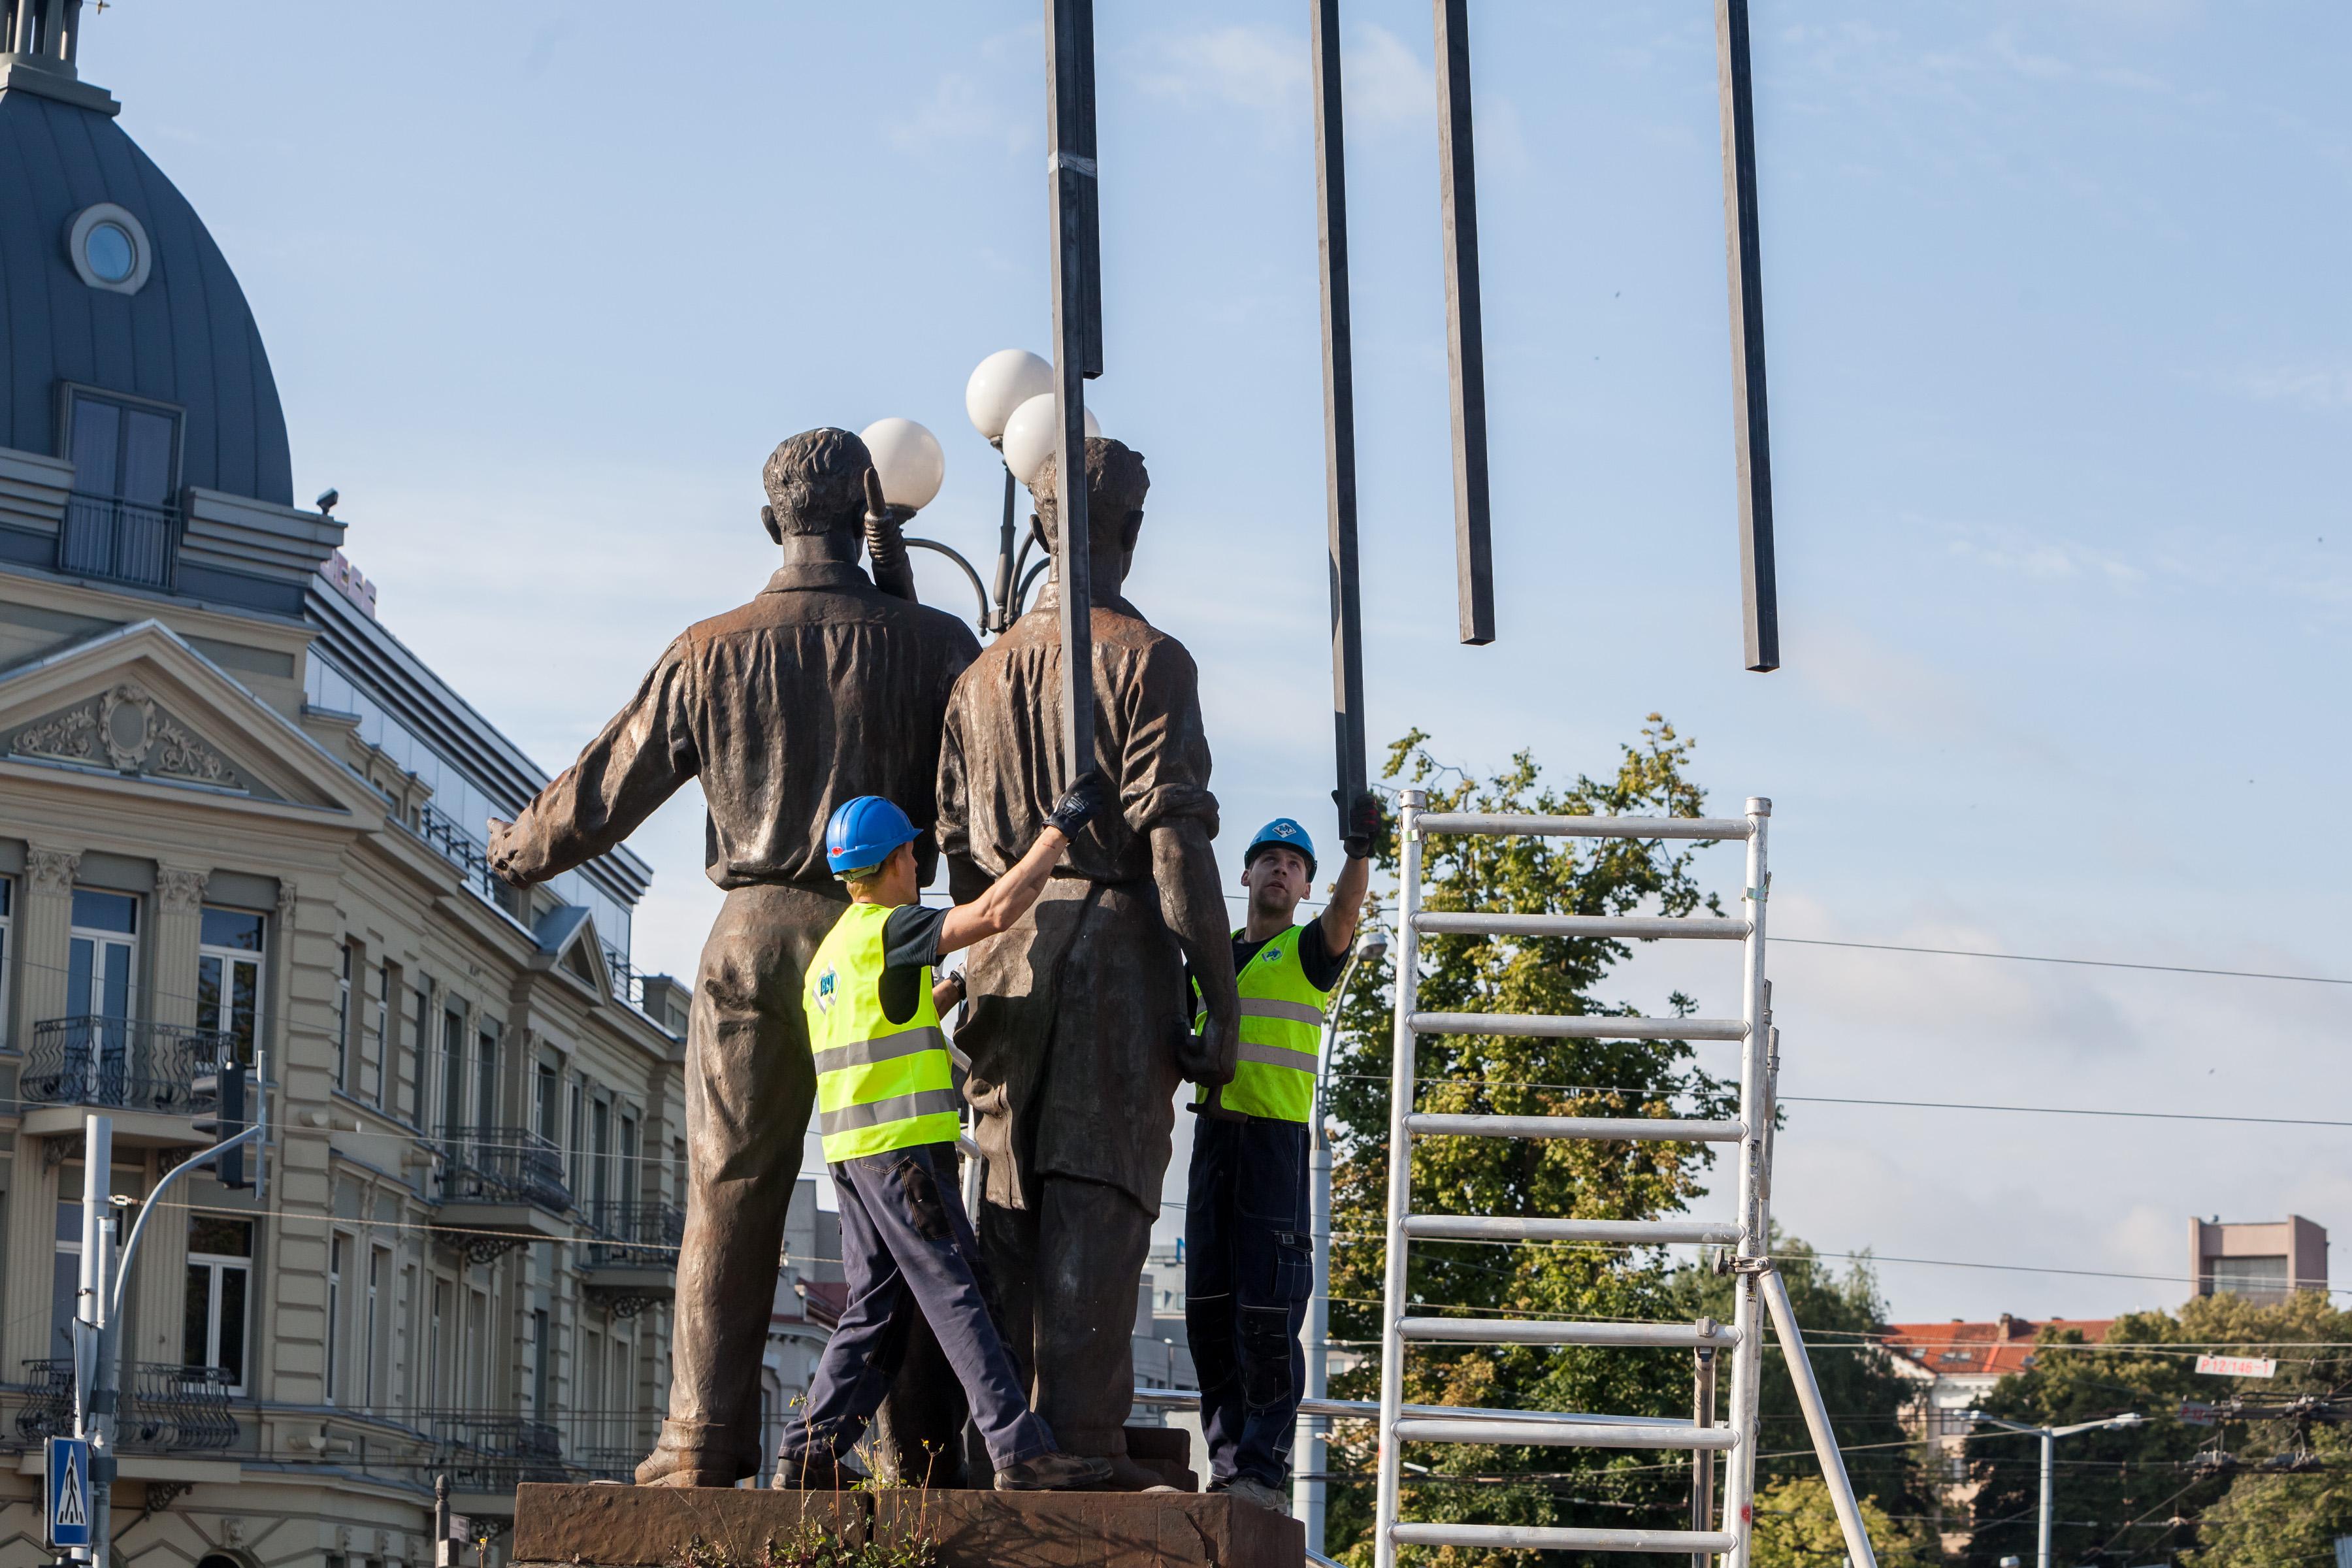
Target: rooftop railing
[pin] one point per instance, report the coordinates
(122, 540)
(118, 1064)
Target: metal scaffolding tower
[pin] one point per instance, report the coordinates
(1758, 1288)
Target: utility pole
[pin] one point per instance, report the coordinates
(2050, 1436)
(1078, 350)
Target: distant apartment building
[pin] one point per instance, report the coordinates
(2264, 1262)
(241, 820)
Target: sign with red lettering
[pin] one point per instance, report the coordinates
(2236, 1365)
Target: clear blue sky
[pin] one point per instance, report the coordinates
(2061, 403)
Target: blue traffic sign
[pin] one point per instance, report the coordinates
(68, 1491)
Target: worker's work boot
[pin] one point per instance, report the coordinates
(1249, 1488)
(691, 1454)
(814, 1470)
(1053, 1473)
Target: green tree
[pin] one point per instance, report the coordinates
(2265, 1488)
(1551, 1178)
(1797, 1527)
(1841, 1314)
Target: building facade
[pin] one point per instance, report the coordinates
(2264, 1262)
(240, 820)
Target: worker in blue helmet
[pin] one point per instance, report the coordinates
(1249, 1259)
(888, 1112)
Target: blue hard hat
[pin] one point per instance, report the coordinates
(862, 833)
(1282, 830)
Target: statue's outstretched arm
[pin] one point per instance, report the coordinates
(1185, 869)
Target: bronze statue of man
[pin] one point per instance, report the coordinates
(822, 688)
(1078, 1023)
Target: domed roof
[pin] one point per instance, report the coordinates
(177, 330)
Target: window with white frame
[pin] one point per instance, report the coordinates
(436, 1343)
(346, 1020)
(335, 1249)
(65, 1267)
(387, 1033)
(216, 1309)
(228, 977)
(629, 1160)
(485, 1076)
(600, 1159)
(7, 905)
(575, 1141)
(545, 1090)
(453, 1070)
(420, 1041)
(374, 1318)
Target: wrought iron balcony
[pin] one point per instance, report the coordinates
(166, 1409)
(121, 540)
(634, 1236)
(503, 1166)
(119, 1064)
(484, 1450)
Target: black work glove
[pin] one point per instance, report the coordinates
(1360, 822)
(1079, 804)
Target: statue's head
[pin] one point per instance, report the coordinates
(816, 484)
(1116, 484)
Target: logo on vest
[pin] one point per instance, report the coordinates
(824, 990)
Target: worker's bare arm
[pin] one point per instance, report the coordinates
(1007, 899)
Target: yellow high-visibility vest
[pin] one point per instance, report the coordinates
(879, 1085)
(1282, 1028)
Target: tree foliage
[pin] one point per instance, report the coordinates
(1797, 1527)
(2266, 1488)
(1549, 1178)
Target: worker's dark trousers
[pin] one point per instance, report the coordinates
(1249, 1269)
(906, 1247)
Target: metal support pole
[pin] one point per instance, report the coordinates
(1078, 350)
(1755, 1217)
(1702, 1508)
(1473, 555)
(95, 1384)
(999, 618)
(1816, 1422)
(1394, 1305)
(1308, 1492)
(2049, 1468)
(1339, 406)
(1760, 613)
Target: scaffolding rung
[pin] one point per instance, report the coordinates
(1370, 1410)
(1643, 928)
(1563, 1538)
(1565, 1434)
(1515, 824)
(1617, 1128)
(1541, 1332)
(1484, 1228)
(1584, 1027)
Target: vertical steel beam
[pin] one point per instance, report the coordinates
(1078, 350)
(1759, 587)
(1339, 404)
(1473, 555)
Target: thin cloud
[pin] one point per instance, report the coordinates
(1264, 70)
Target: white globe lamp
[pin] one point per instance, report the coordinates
(1002, 383)
(908, 459)
(1030, 436)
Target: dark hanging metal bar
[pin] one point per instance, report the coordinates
(1762, 609)
(1339, 404)
(1474, 557)
(1078, 349)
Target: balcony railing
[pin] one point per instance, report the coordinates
(490, 1450)
(120, 1064)
(104, 537)
(634, 1236)
(503, 1166)
(166, 1409)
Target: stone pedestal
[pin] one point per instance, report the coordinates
(651, 1527)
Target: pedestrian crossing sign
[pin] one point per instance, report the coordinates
(68, 1491)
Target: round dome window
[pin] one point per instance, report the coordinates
(108, 248)
(111, 254)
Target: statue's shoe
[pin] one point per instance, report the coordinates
(693, 1454)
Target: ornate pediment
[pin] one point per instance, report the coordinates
(125, 730)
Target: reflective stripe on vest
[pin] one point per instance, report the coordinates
(879, 1085)
(1282, 1031)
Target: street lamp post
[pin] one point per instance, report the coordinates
(2050, 1436)
(1307, 1492)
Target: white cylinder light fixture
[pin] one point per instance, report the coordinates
(1002, 383)
(1030, 436)
(909, 459)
